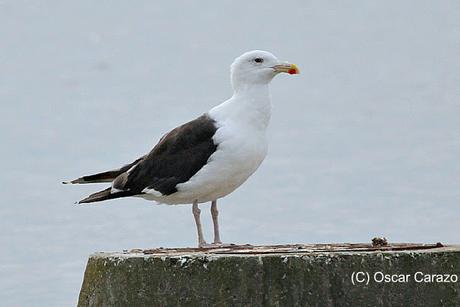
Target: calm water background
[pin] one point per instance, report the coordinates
(365, 142)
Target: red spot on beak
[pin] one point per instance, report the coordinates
(292, 71)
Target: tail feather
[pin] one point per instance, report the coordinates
(104, 195)
(96, 178)
(108, 176)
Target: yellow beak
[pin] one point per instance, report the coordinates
(291, 69)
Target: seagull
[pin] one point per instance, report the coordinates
(209, 157)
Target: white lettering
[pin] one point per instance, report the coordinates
(393, 278)
(435, 278)
(378, 277)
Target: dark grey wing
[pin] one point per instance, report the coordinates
(107, 176)
(178, 156)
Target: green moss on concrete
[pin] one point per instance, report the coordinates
(304, 279)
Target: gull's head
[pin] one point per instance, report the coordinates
(258, 67)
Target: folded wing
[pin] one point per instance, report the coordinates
(178, 156)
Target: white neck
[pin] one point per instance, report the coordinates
(249, 105)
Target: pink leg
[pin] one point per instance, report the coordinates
(196, 214)
(215, 221)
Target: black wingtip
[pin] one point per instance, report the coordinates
(75, 181)
(83, 201)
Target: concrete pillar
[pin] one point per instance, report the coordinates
(293, 275)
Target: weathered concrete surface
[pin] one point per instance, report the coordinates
(294, 275)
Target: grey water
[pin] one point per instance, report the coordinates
(365, 142)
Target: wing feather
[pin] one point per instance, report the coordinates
(178, 156)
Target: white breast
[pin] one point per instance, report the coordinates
(235, 159)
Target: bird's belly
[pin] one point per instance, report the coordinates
(234, 161)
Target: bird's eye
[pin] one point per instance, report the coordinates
(258, 60)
